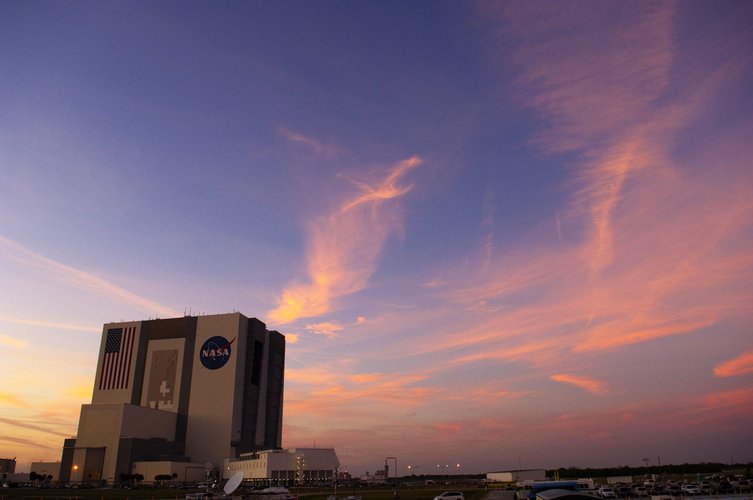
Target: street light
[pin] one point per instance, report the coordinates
(439, 467)
(412, 468)
(397, 496)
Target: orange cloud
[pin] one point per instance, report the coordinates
(319, 392)
(292, 338)
(587, 384)
(16, 343)
(741, 365)
(731, 398)
(12, 399)
(344, 247)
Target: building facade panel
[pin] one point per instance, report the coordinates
(116, 366)
(214, 416)
(162, 374)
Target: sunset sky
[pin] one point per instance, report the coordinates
(495, 234)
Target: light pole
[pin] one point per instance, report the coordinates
(439, 468)
(412, 469)
(397, 496)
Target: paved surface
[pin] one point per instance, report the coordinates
(500, 495)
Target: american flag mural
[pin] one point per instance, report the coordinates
(116, 364)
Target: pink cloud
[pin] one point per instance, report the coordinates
(741, 365)
(653, 245)
(316, 146)
(647, 247)
(344, 246)
(593, 386)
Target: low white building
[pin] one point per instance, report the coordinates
(285, 467)
(516, 476)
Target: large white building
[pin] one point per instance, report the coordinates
(179, 395)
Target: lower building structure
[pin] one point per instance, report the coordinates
(7, 465)
(286, 467)
(47, 470)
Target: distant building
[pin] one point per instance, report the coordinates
(7, 465)
(516, 476)
(187, 392)
(286, 467)
(46, 469)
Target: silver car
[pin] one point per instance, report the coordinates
(450, 495)
(605, 492)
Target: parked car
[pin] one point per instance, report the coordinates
(691, 489)
(640, 491)
(450, 495)
(623, 491)
(674, 490)
(606, 492)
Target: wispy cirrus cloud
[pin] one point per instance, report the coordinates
(314, 145)
(332, 329)
(741, 365)
(326, 328)
(646, 247)
(597, 87)
(30, 443)
(14, 342)
(12, 399)
(323, 392)
(344, 246)
(591, 385)
(42, 427)
(83, 280)
(50, 324)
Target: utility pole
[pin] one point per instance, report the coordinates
(397, 495)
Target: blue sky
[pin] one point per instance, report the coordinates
(488, 230)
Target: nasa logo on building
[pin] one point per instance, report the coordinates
(215, 352)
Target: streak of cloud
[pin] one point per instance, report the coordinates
(344, 247)
(741, 365)
(593, 386)
(28, 443)
(50, 324)
(326, 328)
(68, 275)
(323, 393)
(652, 249)
(13, 342)
(311, 143)
(41, 427)
(12, 399)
